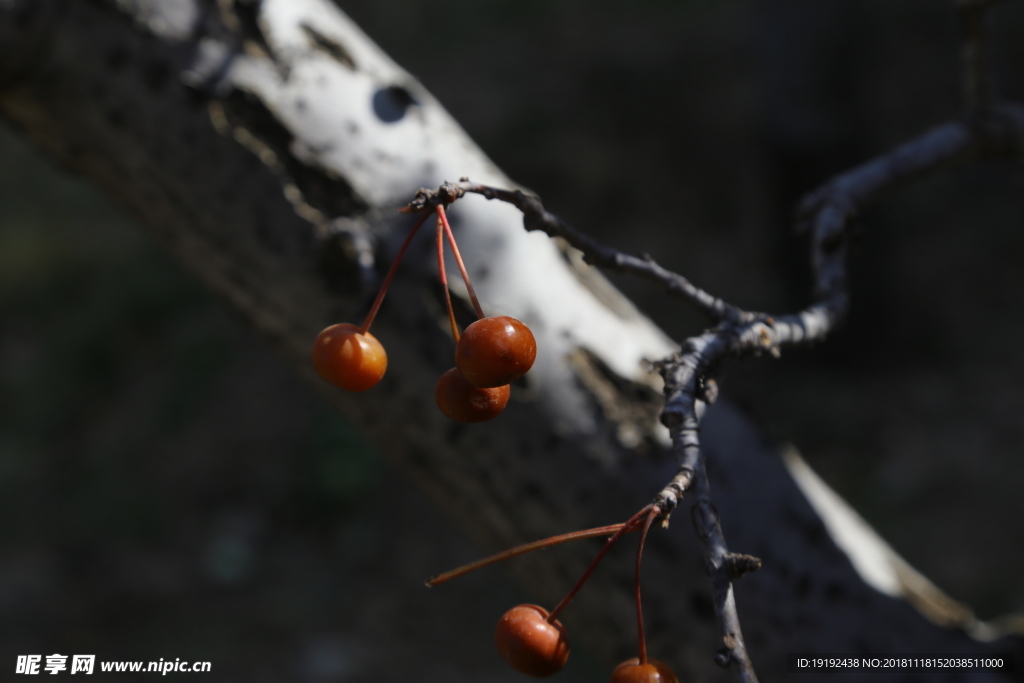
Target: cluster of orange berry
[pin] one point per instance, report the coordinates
(533, 640)
(490, 354)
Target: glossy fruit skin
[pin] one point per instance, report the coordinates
(631, 671)
(462, 402)
(495, 351)
(348, 359)
(530, 643)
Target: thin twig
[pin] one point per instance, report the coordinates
(706, 523)
(535, 217)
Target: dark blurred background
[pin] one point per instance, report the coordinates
(167, 489)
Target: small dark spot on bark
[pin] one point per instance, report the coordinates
(391, 103)
(330, 46)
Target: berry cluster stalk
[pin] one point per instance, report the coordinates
(390, 276)
(639, 610)
(630, 525)
(458, 259)
(444, 280)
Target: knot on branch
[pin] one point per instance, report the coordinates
(426, 200)
(674, 415)
(669, 497)
(708, 390)
(738, 564)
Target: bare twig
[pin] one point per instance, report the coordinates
(706, 523)
(828, 213)
(535, 217)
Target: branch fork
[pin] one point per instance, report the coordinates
(990, 129)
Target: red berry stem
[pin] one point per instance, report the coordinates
(390, 276)
(458, 259)
(522, 550)
(639, 610)
(630, 525)
(444, 280)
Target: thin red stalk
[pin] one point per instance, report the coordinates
(639, 610)
(628, 526)
(458, 260)
(390, 276)
(522, 550)
(444, 280)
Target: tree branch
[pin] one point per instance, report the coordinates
(535, 217)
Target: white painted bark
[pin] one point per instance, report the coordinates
(258, 147)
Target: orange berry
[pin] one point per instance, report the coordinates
(530, 643)
(346, 358)
(632, 671)
(495, 351)
(462, 402)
